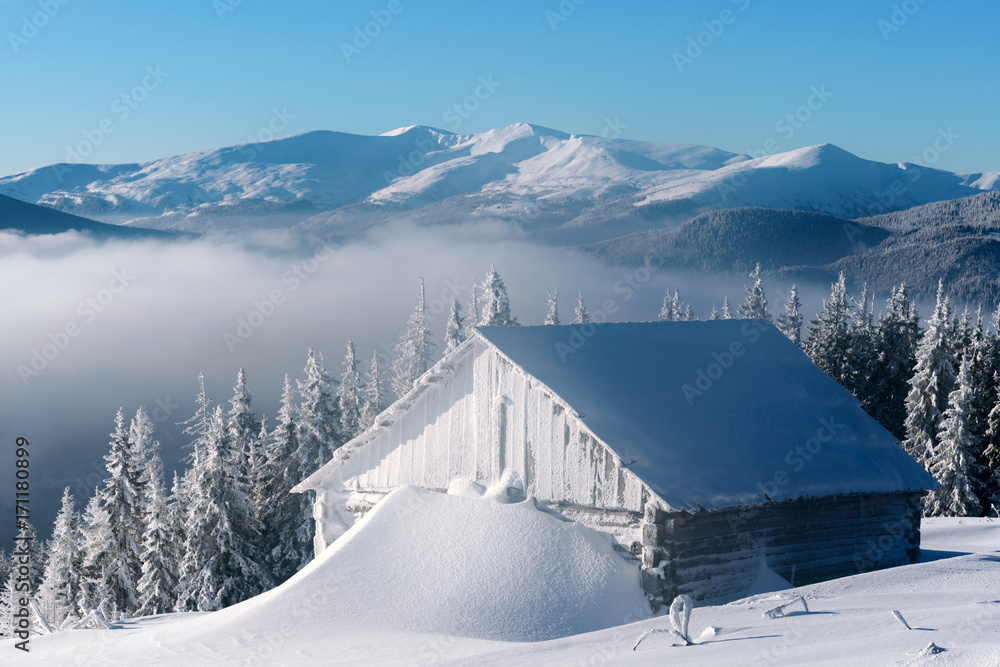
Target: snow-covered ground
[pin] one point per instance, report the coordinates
(430, 578)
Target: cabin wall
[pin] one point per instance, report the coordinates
(717, 555)
(480, 417)
(521, 426)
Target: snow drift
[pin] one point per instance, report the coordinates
(427, 562)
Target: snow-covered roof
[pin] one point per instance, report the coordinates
(714, 414)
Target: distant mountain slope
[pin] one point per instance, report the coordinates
(556, 187)
(734, 240)
(955, 241)
(31, 219)
(822, 178)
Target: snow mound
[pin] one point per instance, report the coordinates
(428, 562)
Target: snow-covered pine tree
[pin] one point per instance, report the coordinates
(287, 518)
(981, 380)
(496, 302)
(895, 342)
(6, 567)
(197, 428)
(669, 311)
(863, 352)
(455, 331)
(831, 337)
(674, 308)
(144, 445)
(160, 555)
(714, 315)
(349, 394)
(243, 426)
(552, 314)
(932, 382)
(120, 497)
(413, 351)
(197, 425)
(790, 323)
(374, 397)
(952, 462)
(60, 593)
(259, 468)
(220, 565)
(177, 506)
(961, 333)
(96, 536)
(991, 458)
(582, 316)
(755, 306)
(473, 305)
(727, 314)
(7, 597)
(317, 417)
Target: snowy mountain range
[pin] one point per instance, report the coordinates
(556, 187)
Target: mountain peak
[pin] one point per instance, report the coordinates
(503, 171)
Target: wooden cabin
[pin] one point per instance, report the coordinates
(707, 450)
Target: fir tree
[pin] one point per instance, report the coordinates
(141, 432)
(790, 323)
(669, 311)
(287, 519)
(220, 565)
(120, 497)
(260, 465)
(863, 353)
(991, 458)
(455, 333)
(160, 555)
(96, 537)
(8, 596)
(674, 308)
(197, 425)
(831, 337)
(552, 314)
(374, 398)
(473, 305)
(951, 461)
(714, 315)
(318, 417)
(582, 316)
(726, 312)
(895, 341)
(496, 303)
(932, 382)
(243, 427)
(349, 394)
(413, 351)
(755, 306)
(961, 333)
(177, 507)
(60, 593)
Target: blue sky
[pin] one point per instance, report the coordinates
(226, 66)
